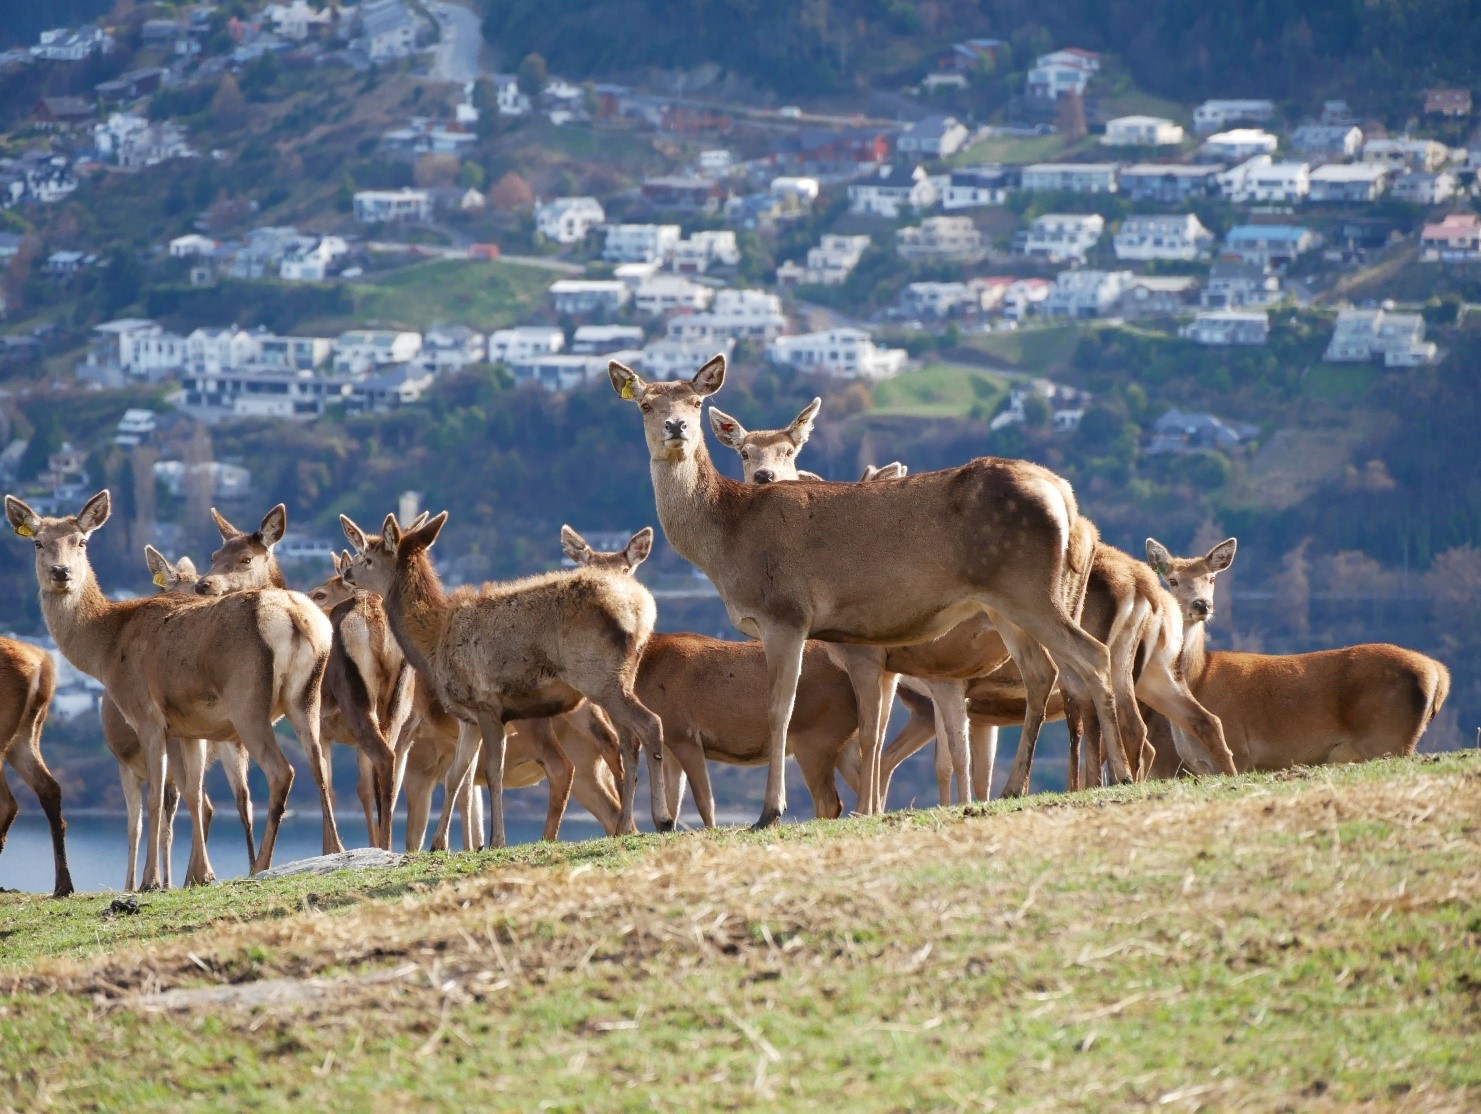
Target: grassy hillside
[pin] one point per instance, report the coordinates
(1262, 941)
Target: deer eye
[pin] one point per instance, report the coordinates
(745, 455)
(38, 545)
(647, 408)
(1171, 583)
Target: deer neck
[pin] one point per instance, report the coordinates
(417, 609)
(687, 493)
(1194, 658)
(86, 625)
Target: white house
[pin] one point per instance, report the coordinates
(703, 249)
(594, 340)
(1456, 237)
(1142, 131)
(935, 137)
(1348, 182)
(1071, 177)
(1233, 284)
(225, 481)
(1415, 154)
(941, 238)
(668, 293)
(385, 206)
(1216, 115)
(1262, 180)
(296, 21)
(253, 393)
(1024, 296)
(1268, 245)
(848, 353)
(129, 140)
(512, 346)
(1062, 71)
(1059, 237)
(1228, 326)
(1418, 187)
(510, 100)
(738, 314)
(973, 187)
(191, 244)
(290, 353)
(310, 260)
(680, 359)
(134, 346)
(135, 427)
(392, 387)
(1163, 237)
(1085, 294)
(212, 351)
(584, 297)
(388, 29)
(640, 243)
(1330, 141)
(567, 220)
(358, 350)
(828, 264)
(1367, 334)
(450, 348)
(892, 191)
(1238, 144)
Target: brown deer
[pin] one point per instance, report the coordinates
(887, 563)
(1348, 705)
(195, 669)
(525, 650)
(709, 694)
(245, 561)
(944, 666)
(28, 681)
(426, 737)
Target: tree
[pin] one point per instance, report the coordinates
(228, 106)
(344, 196)
(470, 176)
(1293, 588)
(1036, 411)
(123, 275)
(176, 199)
(44, 440)
(511, 192)
(437, 170)
(533, 76)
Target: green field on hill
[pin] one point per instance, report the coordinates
(1305, 939)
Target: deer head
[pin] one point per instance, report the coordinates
(62, 567)
(373, 565)
(626, 559)
(891, 471)
(172, 579)
(334, 591)
(767, 455)
(671, 411)
(245, 560)
(1191, 579)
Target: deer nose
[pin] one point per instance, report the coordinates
(61, 573)
(675, 427)
(764, 476)
(1201, 608)
(205, 588)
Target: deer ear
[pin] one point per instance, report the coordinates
(185, 568)
(727, 429)
(391, 531)
(801, 428)
(274, 526)
(23, 520)
(625, 381)
(228, 531)
(423, 536)
(353, 534)
(158, 566)
(94, 512)
(1221, 556)
(639, 546)
(710, 378)
(420, 520)
(574, 546)
(1158, 556)
(891, 471)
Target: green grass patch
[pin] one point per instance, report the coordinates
(1014, 149)
(939, 391)
(1339, 383)
(480, 294)
(1039, 350)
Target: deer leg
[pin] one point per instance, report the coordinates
(1039, 674)
(365, 791)
(689, 758)
(1092, 772)
(596, 791)
(457, 786)
(784, 647)
(639, 729)
(192, 783)
(418, 808)
(472, 810)
(233, 757)
(919, 730)
(307, 729)
(8, 808)
(866, 673)
(983, 739)
(560, 772)
(167, 825)
(495, 748)
(379, 761)
(675, 781)
(1075, 723)
(1163, 692)
(950, 698)
(257, 736)
(817, 759)
(26, 759)
(156, 765)
(133, 800)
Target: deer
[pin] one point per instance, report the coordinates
(524, 650)
(973, 649)
(245, 561)
(28, 681)
(706, 691)
(1352, 704)
(195, 669)
(887, 563)
(175, 578)
(426, 734)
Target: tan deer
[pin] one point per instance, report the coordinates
(195, 669)
(28, 681)
(710, 695)
(1349, 705)
(525, 650)
(245, 561)
(886, 563)
(972, 650)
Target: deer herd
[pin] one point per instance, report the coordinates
(979, 594)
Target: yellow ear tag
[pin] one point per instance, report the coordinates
(26, 530)
(627, 390)
(161, 580)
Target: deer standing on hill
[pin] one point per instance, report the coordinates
(884, 563)
(525, 650)
(28, 681)
(709, 693)
(944, 666)
(1282, 710)
(195, 669)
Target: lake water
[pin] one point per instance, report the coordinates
(97, 846)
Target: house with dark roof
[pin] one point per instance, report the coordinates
(63, 112)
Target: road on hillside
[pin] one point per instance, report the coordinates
(457, 51)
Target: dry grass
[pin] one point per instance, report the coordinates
(1305, 941)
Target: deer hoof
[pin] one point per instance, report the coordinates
(663, 826)
(769, 816)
